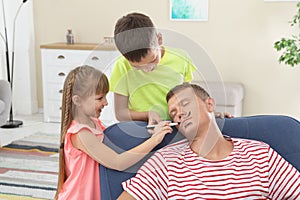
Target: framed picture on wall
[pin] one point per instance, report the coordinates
(189, 10)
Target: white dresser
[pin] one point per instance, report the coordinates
(58, 59)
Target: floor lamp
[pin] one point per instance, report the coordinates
(11, 123)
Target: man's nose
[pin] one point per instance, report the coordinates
(181, 115)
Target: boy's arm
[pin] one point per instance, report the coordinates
(122, 111)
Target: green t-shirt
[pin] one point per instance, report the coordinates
(148, 90)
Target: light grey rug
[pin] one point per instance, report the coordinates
(28, 167)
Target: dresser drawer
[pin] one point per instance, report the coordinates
(102, 60)
(65, 57)
(54, 91)
(54, 109)
(57, 74)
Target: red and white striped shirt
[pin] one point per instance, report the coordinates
(253, 170)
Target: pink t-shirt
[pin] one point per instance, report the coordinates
(82, 171)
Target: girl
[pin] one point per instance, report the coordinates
(84, 97)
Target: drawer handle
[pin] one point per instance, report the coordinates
(60, 91)
(61, 74)
(60, 108)
(60, 57)
(95, 58)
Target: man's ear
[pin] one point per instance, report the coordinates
(210, 103)
(76, 100)
(159, 37)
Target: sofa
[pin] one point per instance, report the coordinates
(228, 95)
(5, 101)
(282, 133)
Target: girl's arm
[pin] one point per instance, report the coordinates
(90, 144)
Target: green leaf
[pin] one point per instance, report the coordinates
(290, 47)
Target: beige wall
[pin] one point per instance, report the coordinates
(238, 37)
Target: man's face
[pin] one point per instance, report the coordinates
(149, 62)
(188, 109)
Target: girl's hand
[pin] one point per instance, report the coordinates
(153, 119)
(161, 130)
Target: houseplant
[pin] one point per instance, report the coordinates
(290, 46)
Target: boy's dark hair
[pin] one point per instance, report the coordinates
(134, 35)
(199, 91)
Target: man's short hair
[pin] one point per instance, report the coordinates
(199, 91)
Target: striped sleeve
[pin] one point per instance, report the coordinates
(150, 181)
(284, 179)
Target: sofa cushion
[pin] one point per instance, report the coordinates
(228, 96)
(225, 93)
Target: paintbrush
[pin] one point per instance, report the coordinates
(152, 126)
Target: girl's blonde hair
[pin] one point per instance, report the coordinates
(83, 81)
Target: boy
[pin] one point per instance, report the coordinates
(147, 70)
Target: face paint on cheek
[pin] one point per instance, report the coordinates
(189, 114)
(188, 124)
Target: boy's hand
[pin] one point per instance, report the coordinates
(223, 115)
